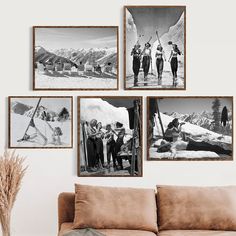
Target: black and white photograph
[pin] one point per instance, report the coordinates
(110, 136)
(155, 47)
(190, 128)
(40, 122)
(75, 57)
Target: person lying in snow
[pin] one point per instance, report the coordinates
(56, 133)
(191, 145)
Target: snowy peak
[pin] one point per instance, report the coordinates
(102, 56)
(203, 119)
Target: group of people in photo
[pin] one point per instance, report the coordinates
(114, 141)
(142, 58)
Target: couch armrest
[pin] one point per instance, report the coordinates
(66, 208)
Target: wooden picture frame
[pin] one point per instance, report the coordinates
(138, 32)
(203, 122)
(93, 63)
(115, 115)
(40, 122)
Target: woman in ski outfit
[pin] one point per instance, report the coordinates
(160, 54)
(147, 59)
(174, 61)
(136, 53)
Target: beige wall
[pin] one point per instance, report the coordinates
(211, 70)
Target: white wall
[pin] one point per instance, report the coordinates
(211, 70)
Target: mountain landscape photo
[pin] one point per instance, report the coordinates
(69, 60)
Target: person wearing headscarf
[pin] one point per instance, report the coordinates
(147, 58)
(136, 53)
(160, 57)
(174, 61)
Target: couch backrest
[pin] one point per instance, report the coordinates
(196, 208)
(102, 207)
(66, 208)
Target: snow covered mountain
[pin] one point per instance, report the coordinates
(192, 129)
(102, 56)
(203, 119)
(44, 56)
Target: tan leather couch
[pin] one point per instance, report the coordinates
(180, 211)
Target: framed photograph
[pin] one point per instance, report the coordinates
(110, 136)
(75, 57)
(40, 122)
(190, 128)
(155, 47)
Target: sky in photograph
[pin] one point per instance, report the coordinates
(76, 38)
(54, 104)
(148, 20)
(190, 105)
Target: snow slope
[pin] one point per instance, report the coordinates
(77, 82)
(19, 124)
(96, 108)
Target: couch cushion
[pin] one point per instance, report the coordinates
(196, 233)
(66, 227)
(196, 208)
(115, 208)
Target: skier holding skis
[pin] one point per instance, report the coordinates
(174, 61)
(160, 54)
(147, 59)
(136, 53)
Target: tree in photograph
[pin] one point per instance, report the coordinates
(216, 114)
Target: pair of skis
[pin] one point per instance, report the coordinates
(30, 123)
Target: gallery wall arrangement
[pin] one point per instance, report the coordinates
(117, 95)
(110, 128)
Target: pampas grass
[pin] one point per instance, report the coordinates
(11, 174)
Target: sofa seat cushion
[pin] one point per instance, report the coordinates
(196, 233)
(196, 208)
(115, 208)
(66, 227)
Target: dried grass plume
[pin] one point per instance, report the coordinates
(11, 174)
